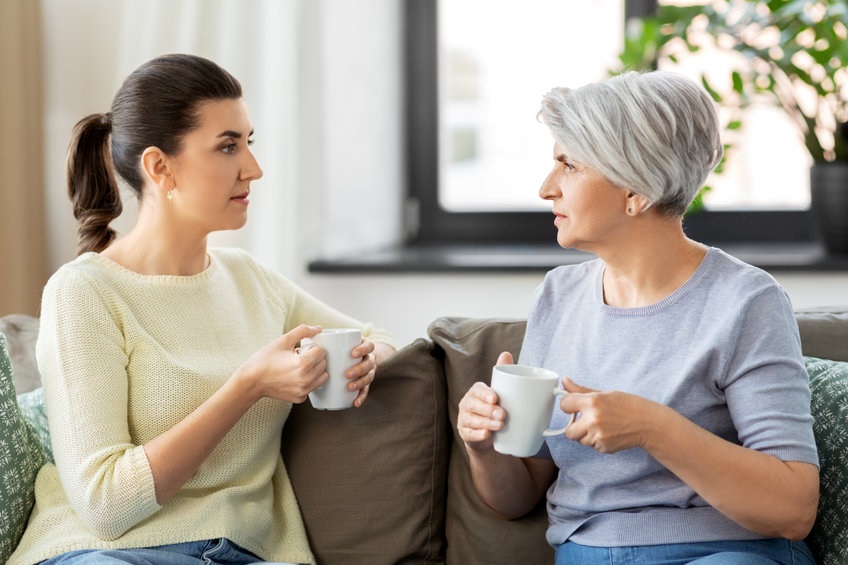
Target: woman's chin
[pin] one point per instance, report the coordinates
(238, 223)
(564, 242)
(232, 225)
(571, 243)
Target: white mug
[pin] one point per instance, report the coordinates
(337, 345)
(527, 396)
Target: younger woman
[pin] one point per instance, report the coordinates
(169, 368)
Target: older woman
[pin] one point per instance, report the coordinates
(693, 441)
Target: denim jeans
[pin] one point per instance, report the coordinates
(211, 552)
(754, 552)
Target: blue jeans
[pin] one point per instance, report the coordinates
(753, 552)
(211, 552)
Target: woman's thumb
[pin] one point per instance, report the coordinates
(505, 358)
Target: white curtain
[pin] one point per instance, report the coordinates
(92, 45)
(23, 264)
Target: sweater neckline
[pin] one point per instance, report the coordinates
(662, 304)
(121, 270)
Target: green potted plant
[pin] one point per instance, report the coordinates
(791, 52)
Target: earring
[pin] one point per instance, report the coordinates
(629, 210)
(170, 194)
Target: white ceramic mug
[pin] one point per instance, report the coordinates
(527, 395)
(337, 344)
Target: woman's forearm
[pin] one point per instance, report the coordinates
(176, 455)
(754, 489)
(509, 485)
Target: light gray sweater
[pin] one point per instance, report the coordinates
(723, 350)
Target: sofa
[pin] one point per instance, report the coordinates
(388, 483)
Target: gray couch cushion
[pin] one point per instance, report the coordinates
(21, 331)
(824, 332)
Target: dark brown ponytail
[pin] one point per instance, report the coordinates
(157, 105)
(91, 183)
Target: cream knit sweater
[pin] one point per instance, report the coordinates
(124, 357)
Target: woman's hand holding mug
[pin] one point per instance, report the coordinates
(282, 371)
(510, 416)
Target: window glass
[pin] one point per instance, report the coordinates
(493, 70)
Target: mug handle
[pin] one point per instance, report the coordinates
(551, 433)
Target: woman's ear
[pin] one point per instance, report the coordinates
(636, 204)
(154, 161)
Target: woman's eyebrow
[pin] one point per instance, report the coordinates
(231, 133)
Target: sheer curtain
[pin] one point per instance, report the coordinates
(22, 243)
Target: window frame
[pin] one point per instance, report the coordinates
(427, 222)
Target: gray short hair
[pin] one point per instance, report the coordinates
(655, 133)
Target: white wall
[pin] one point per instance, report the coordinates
(322, 80)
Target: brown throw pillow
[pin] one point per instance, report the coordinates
(371, 481)
(476, 534)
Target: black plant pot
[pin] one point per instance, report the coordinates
(829, 204)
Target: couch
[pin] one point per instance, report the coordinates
(388, 483)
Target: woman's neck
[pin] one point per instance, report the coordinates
(649, 268)
(154, 247)
(154, 258)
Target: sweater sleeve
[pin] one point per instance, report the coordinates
(82, 359)
(766, 384)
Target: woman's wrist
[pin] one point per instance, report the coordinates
(658, 421)
(245, 385)
(383, 351)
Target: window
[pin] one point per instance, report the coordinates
(492, 151)
(472, 183)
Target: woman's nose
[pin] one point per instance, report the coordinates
(252, 170)
(549, 188)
